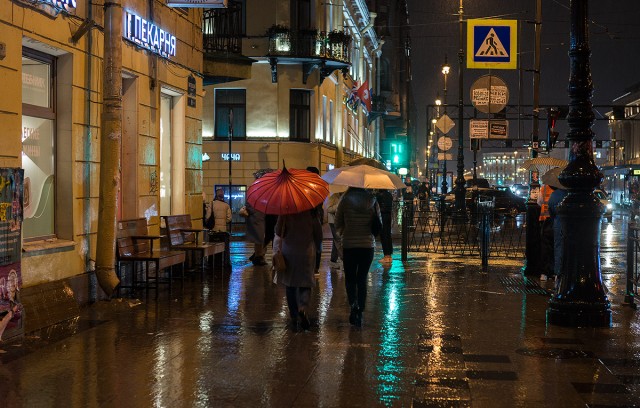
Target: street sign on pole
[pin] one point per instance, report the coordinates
(445, 124)
(444, 143)
(492, 44)
(445, 156)
(489, 94)
(488, 129)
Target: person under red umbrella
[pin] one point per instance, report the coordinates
(295, 196)
(299, 237)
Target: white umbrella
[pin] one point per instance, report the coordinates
(363, 176)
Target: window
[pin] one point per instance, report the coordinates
(38, 144)
(231, 102)
(301, 15)
(300, 115)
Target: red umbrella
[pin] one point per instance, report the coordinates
(287, 192)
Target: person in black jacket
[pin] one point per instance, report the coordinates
(353, 222)
(385, 201)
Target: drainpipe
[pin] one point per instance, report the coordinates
(378, 53)
(89, 261)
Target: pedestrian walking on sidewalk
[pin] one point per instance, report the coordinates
(385, 201)
(217, 218)
(255, 234)
(319, 212)
(353, 222)
(336, 246)
(299, 236)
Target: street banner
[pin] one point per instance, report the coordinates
(11, 197)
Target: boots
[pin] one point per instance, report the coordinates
(355, 317)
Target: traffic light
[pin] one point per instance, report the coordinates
(552, 134)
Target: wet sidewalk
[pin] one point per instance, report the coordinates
(437, 333)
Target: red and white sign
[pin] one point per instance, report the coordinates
(198, 3)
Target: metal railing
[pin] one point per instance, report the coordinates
(222, 29)
(334, 45)
(427, 228)
(633, 272)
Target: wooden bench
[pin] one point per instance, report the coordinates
(135, 246)
(183, 236)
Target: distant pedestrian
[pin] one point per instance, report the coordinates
(255, 234)
(336, 246)
(556, 197)
(218, 221)
(319, 212)
(299, 236)
(546, 233)
(353, 222)
(385, 201)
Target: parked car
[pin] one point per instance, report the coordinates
(506, 203)
(479, 182)
(520, 190)
(608, 206)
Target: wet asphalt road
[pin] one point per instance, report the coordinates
(437, 333)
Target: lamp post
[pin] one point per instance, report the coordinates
(580, 299)
(445, 71)
(459, 188)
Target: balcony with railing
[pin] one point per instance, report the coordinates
(314, 49)
(222, 44)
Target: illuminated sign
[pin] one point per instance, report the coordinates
(198, 3)
(234, 156)
(147, 35)
(52, 7)
(636, 172)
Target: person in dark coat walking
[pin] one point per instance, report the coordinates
(299, 235)
(556, 197)
(353, 222)
(385, 201)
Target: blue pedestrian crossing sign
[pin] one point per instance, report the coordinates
(492, 44)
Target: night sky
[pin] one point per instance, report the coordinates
(614, 41)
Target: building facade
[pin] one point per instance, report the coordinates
(622, 167)
(50, 113)
(295, 109)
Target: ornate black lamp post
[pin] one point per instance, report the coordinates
(580, 299)
(459, 183)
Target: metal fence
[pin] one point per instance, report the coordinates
(425, 228)
(633, 273)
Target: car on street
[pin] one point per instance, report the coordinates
(520, 190)
(608, 206)
(506, 203)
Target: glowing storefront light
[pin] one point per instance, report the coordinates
(148, 35)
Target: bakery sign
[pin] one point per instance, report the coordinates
(147, 35)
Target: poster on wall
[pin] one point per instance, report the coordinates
(11, 195)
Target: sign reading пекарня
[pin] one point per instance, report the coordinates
(148, 35)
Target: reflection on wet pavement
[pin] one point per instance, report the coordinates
(437, 333)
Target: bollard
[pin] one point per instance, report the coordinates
(631, 265)
(405, 233)
(485, 234)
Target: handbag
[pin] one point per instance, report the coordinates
(279, 263)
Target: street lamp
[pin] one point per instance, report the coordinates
(580, 299)
(459, 188)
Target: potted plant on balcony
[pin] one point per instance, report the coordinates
(339, 37)
(279, 39)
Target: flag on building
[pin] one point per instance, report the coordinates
(364, 94)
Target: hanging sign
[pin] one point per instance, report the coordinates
(198, 3)
(492, 43)
(191, 91)
(147, 35)
(52, 7)
(488, 129)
